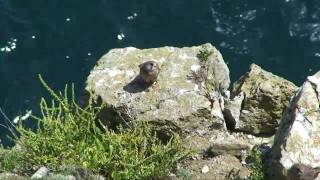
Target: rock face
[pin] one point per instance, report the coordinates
(298, 138)
(258, 101)
(186, 97)
(302, 172)
(232, 110)
(219, 167)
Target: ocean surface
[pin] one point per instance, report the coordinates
(62, 40)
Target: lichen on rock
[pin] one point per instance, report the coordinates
(178, 101)
(265, 99)
(298, 138)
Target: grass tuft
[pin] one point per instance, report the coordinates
(69, 135)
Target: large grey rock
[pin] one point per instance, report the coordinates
(298, 138)
(186, 97)
(265, 98)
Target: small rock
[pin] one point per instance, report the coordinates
(205, 169)
(232, 110)
(41, 173)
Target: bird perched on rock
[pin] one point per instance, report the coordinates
(149, 72)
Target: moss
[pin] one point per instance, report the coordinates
(266, 98)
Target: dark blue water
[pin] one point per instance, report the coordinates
(62, 40)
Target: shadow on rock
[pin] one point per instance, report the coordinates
(136, 85)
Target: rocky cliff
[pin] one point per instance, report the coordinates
(192, 98)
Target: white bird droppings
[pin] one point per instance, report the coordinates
(195, 67)
(113, 72)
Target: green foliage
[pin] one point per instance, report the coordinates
(184, 174)
(9, 159)
(256, 165)
(67, 134)
(204, 53)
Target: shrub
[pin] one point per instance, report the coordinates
(256, 165)
(68, 135)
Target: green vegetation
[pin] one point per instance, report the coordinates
(70, 135)
(256, 165)
(9, 159)
(184, 174)
(204, 53)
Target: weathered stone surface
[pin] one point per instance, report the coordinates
(219, 142)
(219, 167)
(298, 138)
(185, 99)
(41, 173)
(265, 98)
(302, 172)
(232, 110)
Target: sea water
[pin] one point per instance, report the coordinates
(62, 40)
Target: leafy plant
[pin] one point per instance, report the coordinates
(69, 135)
(256, 165)
(204, 53)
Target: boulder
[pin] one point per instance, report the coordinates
(298, 138)
(185, 99)
(258, 100)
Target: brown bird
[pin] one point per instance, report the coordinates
(149, 71)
